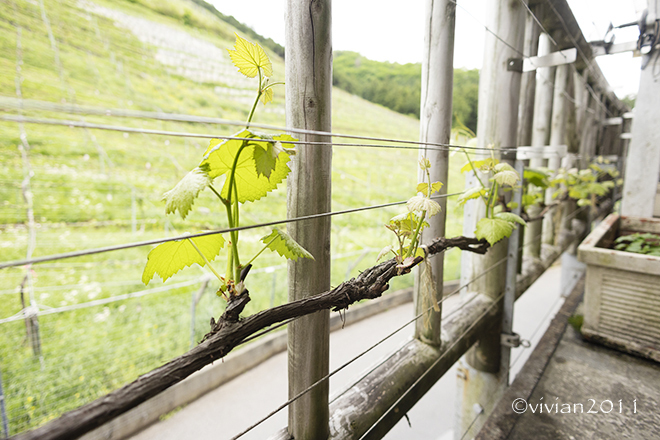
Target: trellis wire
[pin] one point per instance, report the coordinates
(69, 123)
(202, 234)
(20, 315)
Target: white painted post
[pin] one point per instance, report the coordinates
(308, 66)
(557, 137)
(499, 91)
(435, 127)
(540, 135)
(643, 161)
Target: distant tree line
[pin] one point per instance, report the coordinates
(398, 86)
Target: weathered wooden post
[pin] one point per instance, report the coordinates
(483, 379)
(435, 127)
(526, 105)
(540, 135)
(528, 83)
(557, 139)
(308, 106)
(643, 162)
(588, 138)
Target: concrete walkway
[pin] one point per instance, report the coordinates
(574, 389)
(232, 407)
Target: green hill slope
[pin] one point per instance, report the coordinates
(398, 86)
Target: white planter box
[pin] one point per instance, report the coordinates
(622, 297)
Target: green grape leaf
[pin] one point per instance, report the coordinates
(267, 95)
(506, 177)
(183, 195)
(424, 187)
(421, 203)
(252, 181)
(168, 258)
(536, 178)
(282, 243)
(600, 189)
(493, 229)
(249, 57)
(472, 193)
(483, 165)
(265, 160)
(511, 218)
(503, 167)
(405, 223)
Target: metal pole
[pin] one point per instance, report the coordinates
(435, 126)
(511, 276)
(5, 425)
(308, 66)
(484, 378)
(193, 308)
(133, 211)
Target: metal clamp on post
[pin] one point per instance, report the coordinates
(514, 65)
(513, 340)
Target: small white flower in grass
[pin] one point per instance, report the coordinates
(421, 203)
(183, 195)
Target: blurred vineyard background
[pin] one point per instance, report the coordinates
(72, 330)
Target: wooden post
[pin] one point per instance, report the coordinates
(588, 131)
(643, 161)
(526, 106)
(308, 106)
(435, 126)
(557, 138)
(528, 84)
(540, 135)
(499, 91)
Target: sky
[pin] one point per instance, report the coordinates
(385, 30)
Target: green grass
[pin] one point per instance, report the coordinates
(98, 188)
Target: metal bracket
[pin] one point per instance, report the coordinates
(514, 65)
(513, 340)
(566, 56)
(599, 48)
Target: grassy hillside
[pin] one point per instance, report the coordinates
(93, 188)
(398, 86)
